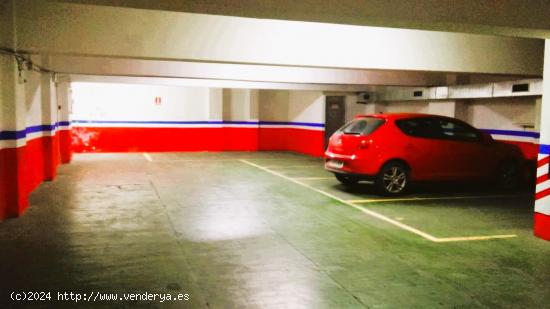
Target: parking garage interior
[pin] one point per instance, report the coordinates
(183, 155)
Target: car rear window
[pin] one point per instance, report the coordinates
(362, 126)
(419, 127)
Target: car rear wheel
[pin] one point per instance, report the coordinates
(508, 175)
(346, 180)
(393, 179)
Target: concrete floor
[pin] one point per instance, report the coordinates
(276, 232)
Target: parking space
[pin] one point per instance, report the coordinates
(454, 212)
(232, 233)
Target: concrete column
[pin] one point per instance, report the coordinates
(240, 105)
(374, 108)
(64, 102)
(253, 108)
(542, 194)
(13, 198)
(12, 140)
(443, 108)
(215, 104)
(538, 107)
(49, 121)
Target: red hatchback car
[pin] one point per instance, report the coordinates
(397, 149)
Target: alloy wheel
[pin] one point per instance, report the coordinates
(395, 179)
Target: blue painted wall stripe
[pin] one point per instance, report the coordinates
(544, 149)
(306, 124)
(512, 133)
(13, 135)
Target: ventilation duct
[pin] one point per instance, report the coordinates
(527, 87)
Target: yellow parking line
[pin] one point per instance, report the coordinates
(293, 166)
(474, 238)
(380, 216)
(197, 160)
(408, 199)
(147, 157)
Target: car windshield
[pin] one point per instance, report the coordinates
(362, 126)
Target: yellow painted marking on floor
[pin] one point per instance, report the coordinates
(408, 199)
(197, 160)
(148, 157)
(293, 166)
(475, 238)
(312, 178)
(367, 211)
(378, 215)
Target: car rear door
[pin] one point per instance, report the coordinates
(469, 157)
(427, 153)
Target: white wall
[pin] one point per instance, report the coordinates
(33, 99)
(292, 106)
(306, 106)
(495, 113)
(502, 113)
(404, 107)
(273, 105)
(353, 109)
(443, 108)
(126, 102)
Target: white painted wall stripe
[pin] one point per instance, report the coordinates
(543, 205)
(542, 170)
(543, 186)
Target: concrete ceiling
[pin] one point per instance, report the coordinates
(251, 76)
(518, 18)
(81, 33)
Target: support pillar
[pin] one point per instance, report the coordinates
(215, 104)
(13, 195)
(49, 120)
(443, 108)
(64, 100)
(12, 140)
(542, 194)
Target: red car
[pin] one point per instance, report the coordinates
(394, 150)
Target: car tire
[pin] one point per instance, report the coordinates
(508, 175)
(346, 180)
(393, 179)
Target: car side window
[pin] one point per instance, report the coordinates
(420, 127)
(458, 131)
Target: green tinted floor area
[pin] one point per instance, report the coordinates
(266, 230)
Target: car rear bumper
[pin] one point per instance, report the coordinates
(350, 164)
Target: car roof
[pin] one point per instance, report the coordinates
(400, 115)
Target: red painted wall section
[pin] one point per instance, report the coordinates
(9, 183)
(530, 150)
(94, 139)
(87, 139)
(240, 139)
(310, 142)
(542, 224)
(65, 147)
(23, 169)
